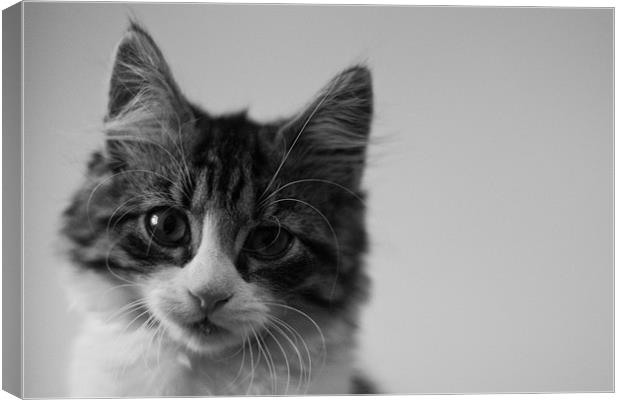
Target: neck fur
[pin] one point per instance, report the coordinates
(144, 362)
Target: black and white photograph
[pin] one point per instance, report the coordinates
(296, 199)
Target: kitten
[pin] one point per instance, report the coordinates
(214, 255)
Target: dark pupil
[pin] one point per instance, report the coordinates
(168, 227)
(266, 238)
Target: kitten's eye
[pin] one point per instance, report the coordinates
(167, 226)
(268, 242)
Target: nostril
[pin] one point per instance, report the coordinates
(210, 302)
(200, 299)
(219, 303)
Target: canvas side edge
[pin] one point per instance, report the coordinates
(12, 341)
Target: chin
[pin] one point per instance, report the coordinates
(205, 337)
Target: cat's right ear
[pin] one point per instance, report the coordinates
(141, 79)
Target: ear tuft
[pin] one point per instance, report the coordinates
(347, 108)
(140, 74)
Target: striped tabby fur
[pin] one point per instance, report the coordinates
(206, 315)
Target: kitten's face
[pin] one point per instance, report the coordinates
(220, 227)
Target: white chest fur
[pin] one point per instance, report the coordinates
(109, 363)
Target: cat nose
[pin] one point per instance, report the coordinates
(210, 301)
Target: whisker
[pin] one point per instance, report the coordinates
(161, 339)
(313, 180)
(314, 111)
(251, 368)
(299, 357)
(228, 357)
(109, 268)
(296, 335)
(92, 193)
(268, 361)
(100, 295)
(126, 308)
(312, 321)
(147, 325)
(241, 364)
(133, 320)
(117, 209)
(288, 368)
(273, 365)
(132, 209)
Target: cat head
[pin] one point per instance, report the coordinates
(214, 227)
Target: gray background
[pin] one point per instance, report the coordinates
(490, 177)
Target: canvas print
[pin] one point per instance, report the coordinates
(248, 200)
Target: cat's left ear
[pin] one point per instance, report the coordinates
(329, 137)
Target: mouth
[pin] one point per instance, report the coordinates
(207, 337)
(206, 327)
